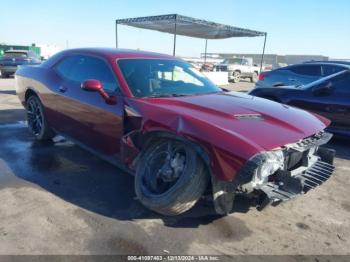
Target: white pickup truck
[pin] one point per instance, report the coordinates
(238, 68)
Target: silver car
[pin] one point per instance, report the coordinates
(299, 74)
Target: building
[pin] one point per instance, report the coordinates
(269, 59)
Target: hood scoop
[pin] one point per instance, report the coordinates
(249, 117)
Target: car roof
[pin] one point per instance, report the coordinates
(107, 53)
(346, 66)
(119, 53)
(329, 62)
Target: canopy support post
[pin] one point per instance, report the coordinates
(263, 53)
(174, 48)
(116, 34)
(205, 51)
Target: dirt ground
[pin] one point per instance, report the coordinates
(57, 198)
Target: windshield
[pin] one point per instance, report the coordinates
(161, 77)
(233, 61)
(15, 54)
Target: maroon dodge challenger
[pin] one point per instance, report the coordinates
(182, 137)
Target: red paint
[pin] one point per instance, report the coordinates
(262, 76)
(212, 121)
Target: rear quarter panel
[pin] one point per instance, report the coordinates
(43, 82)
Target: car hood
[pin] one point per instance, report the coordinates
(260, 123)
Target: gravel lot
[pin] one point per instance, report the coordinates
(58, 199)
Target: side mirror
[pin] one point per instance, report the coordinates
(323, 89)
(92, 85)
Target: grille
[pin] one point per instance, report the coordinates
(309, 142)
(316, 175)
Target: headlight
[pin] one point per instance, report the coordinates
(274, 161)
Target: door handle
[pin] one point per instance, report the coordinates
(62, 89)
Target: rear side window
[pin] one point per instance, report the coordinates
(331, 69)
(65, 66)
(79, 68)
(309, 70)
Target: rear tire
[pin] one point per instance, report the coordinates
(36, 118)
(4, 75)
(181, 193)
(254, 77)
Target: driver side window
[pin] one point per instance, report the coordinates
(79, 68)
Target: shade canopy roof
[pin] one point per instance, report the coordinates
(187, 26)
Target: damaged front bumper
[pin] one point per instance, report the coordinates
(304, 166)
(286, 185)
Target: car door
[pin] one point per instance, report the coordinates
(330, 98)
(85, 116)
(294, 75)
(339, 107)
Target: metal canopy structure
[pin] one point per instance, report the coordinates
(183, 25)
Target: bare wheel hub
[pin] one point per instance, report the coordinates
(172, 168)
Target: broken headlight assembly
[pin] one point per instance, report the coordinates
(273, 161)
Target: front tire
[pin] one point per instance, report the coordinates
(236, 77)
(37, 122)
(170, 177)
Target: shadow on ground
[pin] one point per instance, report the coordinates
(84, 180)
(12, 115)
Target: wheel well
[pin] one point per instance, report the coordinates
(145, 140)
(239, 71)
(28, 94)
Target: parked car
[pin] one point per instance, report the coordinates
(329, 96)
(158, 118)
(11, 59)
(298, 74)
(207, 67)
(274, 66)
(239, 68)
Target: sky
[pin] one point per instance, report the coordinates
(314, 27)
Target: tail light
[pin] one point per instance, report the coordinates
(262, 76)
